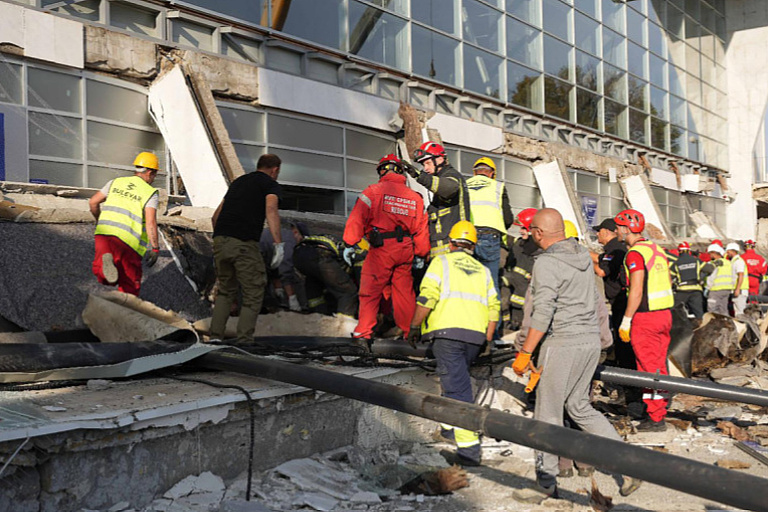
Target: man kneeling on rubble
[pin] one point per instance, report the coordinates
(564, 310)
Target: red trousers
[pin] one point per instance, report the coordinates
(127, 261)
(650, 340)
(389, 264)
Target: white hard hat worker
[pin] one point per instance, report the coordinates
(717, 249)
(733, 246)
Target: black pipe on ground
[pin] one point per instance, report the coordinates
(632, 378)
(692, 477)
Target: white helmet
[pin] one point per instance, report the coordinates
(733, 246)
(716, 248)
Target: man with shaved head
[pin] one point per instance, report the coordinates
(564, 316)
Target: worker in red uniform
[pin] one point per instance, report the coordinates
(647, 320)
(391, 217)
(756, 267)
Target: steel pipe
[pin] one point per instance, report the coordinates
(692, 477)
(632, 378)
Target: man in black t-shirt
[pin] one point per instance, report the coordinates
(237, 226)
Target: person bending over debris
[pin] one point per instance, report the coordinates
(457, 309)
(126, 214)
(237, 226)
(564, 296)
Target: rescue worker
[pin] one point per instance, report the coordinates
(720, 281)
(563, 314)
(756, 267)
(450, 198)
(126, 229)
(237, 225)
(491, 216)
(520, 264)
(319, 259)
(391, 217)
(740, 278)
(457, 309)
(647, 320)
(686, 276)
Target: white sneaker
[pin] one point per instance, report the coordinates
(108, 268)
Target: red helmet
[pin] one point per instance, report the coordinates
(684, 246)
(750, 243)
(718, 242)
(525, 217)
(390, 162)
(631, 219)
(428, 150)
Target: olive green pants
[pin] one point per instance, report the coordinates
(238, 264)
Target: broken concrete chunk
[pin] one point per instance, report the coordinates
(733, 371)
(98, 384)
(733, 464)
(733, 431)
(315, 500)
(54, 408)
(242, 506)
(365, 497)
(118, 507)
(727, 412)
(69, 193)
(311, 475)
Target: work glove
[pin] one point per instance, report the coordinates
(522, 363)
(349, 256)
(418, 263)
(151, 257)
(278, 253)
(414, 336)
(293, 303)
(624, 328)
(411, 170)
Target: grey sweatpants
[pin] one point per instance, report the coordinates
(740, 304)
(717, 302)
(567, 367)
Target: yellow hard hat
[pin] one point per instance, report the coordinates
(463, 230)
(363, 244)
(147, 160)
(485, 162)
(570, 229)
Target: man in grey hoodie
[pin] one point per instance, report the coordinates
(564, 315)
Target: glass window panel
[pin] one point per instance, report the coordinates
(360, 174)
(692, 8)
(657, 11)
(658, 103)
(676, 81)
(587, 33)
(523, 43)
(435, 13)
(695, 151)
(692, 64)
(317, 21)
(586, 71)
(240, 48)
(656, 39)
(615, 83)
(587, 6)
(677, 110)
(613, 15)
(693, 91)
(84, 9)
(247, 10)
(311, 169)
(614, 48)
(636, 27)
(523, 197)
(51, 135)
(677, 140)
(720, 31)
(482, 72)
(117, 103)
(557, 96)
(398, 6)
(243, 124)
(249, 155)
(636, 60)
(615, 118)
(677, 51)
(524, 86)
(637, 92)
(10, 83)
(556, 16)
(54, 91)
(658, 134)
(99, 176)
(309, 199)
(135, 19)
(675, 198)
(587, 183)
(519, 173)
(304, 134)
(660, 195)
(587, 108)
(377, 36)
(118, 145)
(192, 34)
(637, 126)
(451, 155)
(557, 58)
(371, 147)
(675, 22)
(481, 25)
(707, 70)
(708, 45)
(435, 55)
(657, 67)
(56, 173)
(526, 10)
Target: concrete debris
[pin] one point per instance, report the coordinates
(98, 384)
(287, 323)
(123, 505)
(54, 408)
(315, 501)
(733, 464)
(242, 506)
(312, 475)
(733, 431)
(727, 412)
(365, 497)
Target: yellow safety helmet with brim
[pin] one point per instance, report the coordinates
(147, 160)
(463, 231)
(485, 163)
(570, 229)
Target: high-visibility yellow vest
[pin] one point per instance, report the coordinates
(657, 276)
(485, 202)
(460, 292)
(122, 214)
(723, 277)
(745, 279)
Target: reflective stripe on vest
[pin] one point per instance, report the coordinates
(322, 241)
(522, 272)
(745, 279)
(485, 201)
(723, 277)
(122, 214)
(657, 278)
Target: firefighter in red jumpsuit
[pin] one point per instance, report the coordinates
(756, 267)
(391, 217)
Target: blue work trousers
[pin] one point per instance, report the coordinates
(488, 252)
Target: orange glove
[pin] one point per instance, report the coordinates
(522, 362)
(625, 328)
(535, 376)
